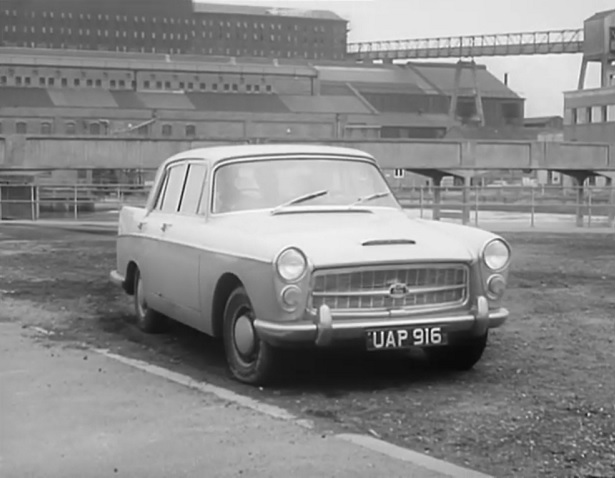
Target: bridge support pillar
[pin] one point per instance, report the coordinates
(612, 205)
(437, 197)
(579, 178)
(465, 198)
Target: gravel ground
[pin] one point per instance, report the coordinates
(540, 403)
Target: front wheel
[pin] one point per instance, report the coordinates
(459, 357)
(249, 359)
(148, 320)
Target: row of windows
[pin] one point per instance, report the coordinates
(172, 21)
(147, 35)
(146, 84)
(97, 128)
(590, 114)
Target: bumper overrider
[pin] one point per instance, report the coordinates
(325, 331)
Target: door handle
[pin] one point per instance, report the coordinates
(140, 226)
(165, 226)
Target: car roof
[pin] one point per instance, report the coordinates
(218, 154)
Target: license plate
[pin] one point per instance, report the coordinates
(403, 338)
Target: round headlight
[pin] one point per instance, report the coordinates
(291, 265)
(496, 255)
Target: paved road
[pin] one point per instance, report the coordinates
(69, 412)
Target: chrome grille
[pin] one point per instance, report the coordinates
(369, 289)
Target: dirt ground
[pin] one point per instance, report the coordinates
(540, 403)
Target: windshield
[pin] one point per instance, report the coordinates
(250, 185)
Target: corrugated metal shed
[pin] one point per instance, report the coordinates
(85, 98)
(265, 11)
(16, 97)
(237, 102)
(442, 75)
(325, 104)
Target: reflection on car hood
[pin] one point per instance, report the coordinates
(342, 238)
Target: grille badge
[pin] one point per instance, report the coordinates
(398, 290)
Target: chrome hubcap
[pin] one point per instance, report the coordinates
(244, 335)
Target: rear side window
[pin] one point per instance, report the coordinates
(193, 189)
(168, 201)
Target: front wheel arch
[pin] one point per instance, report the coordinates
(225, 286)
(129, 280)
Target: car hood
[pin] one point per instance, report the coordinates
(345, 238)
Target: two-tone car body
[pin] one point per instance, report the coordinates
(281, 246)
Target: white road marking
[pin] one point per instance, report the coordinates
(379, 446)
(404, 454)
(219, 392)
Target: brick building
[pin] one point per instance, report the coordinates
(173, 27)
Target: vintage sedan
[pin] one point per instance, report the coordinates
(272, 247)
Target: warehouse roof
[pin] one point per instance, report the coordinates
(442, 76)
(265, 11)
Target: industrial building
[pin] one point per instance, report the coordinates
(589, 114)
(107, 93)
(172, 27)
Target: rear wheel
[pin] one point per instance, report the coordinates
(459, 357)
(249, 359)
(148, 320)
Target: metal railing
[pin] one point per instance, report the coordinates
(476, 205)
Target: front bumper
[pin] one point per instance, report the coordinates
(118, 279)
(325, 331)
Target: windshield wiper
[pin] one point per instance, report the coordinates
(300, 199)
(370, 197)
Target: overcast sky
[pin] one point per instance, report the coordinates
(539, 79)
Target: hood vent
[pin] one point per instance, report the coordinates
(388, 242)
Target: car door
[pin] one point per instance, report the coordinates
(155, 262)
(183, 238)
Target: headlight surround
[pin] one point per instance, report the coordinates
(496, 286)
(496, 255)
(290, 297)
(291, 264)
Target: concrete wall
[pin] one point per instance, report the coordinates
(590, 133)
(49, 152)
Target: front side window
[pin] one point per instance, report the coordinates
(168, 198)
(264, 184)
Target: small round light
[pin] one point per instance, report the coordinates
(496, 286)
(291, 265)
(291, 295)
(496, 255)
